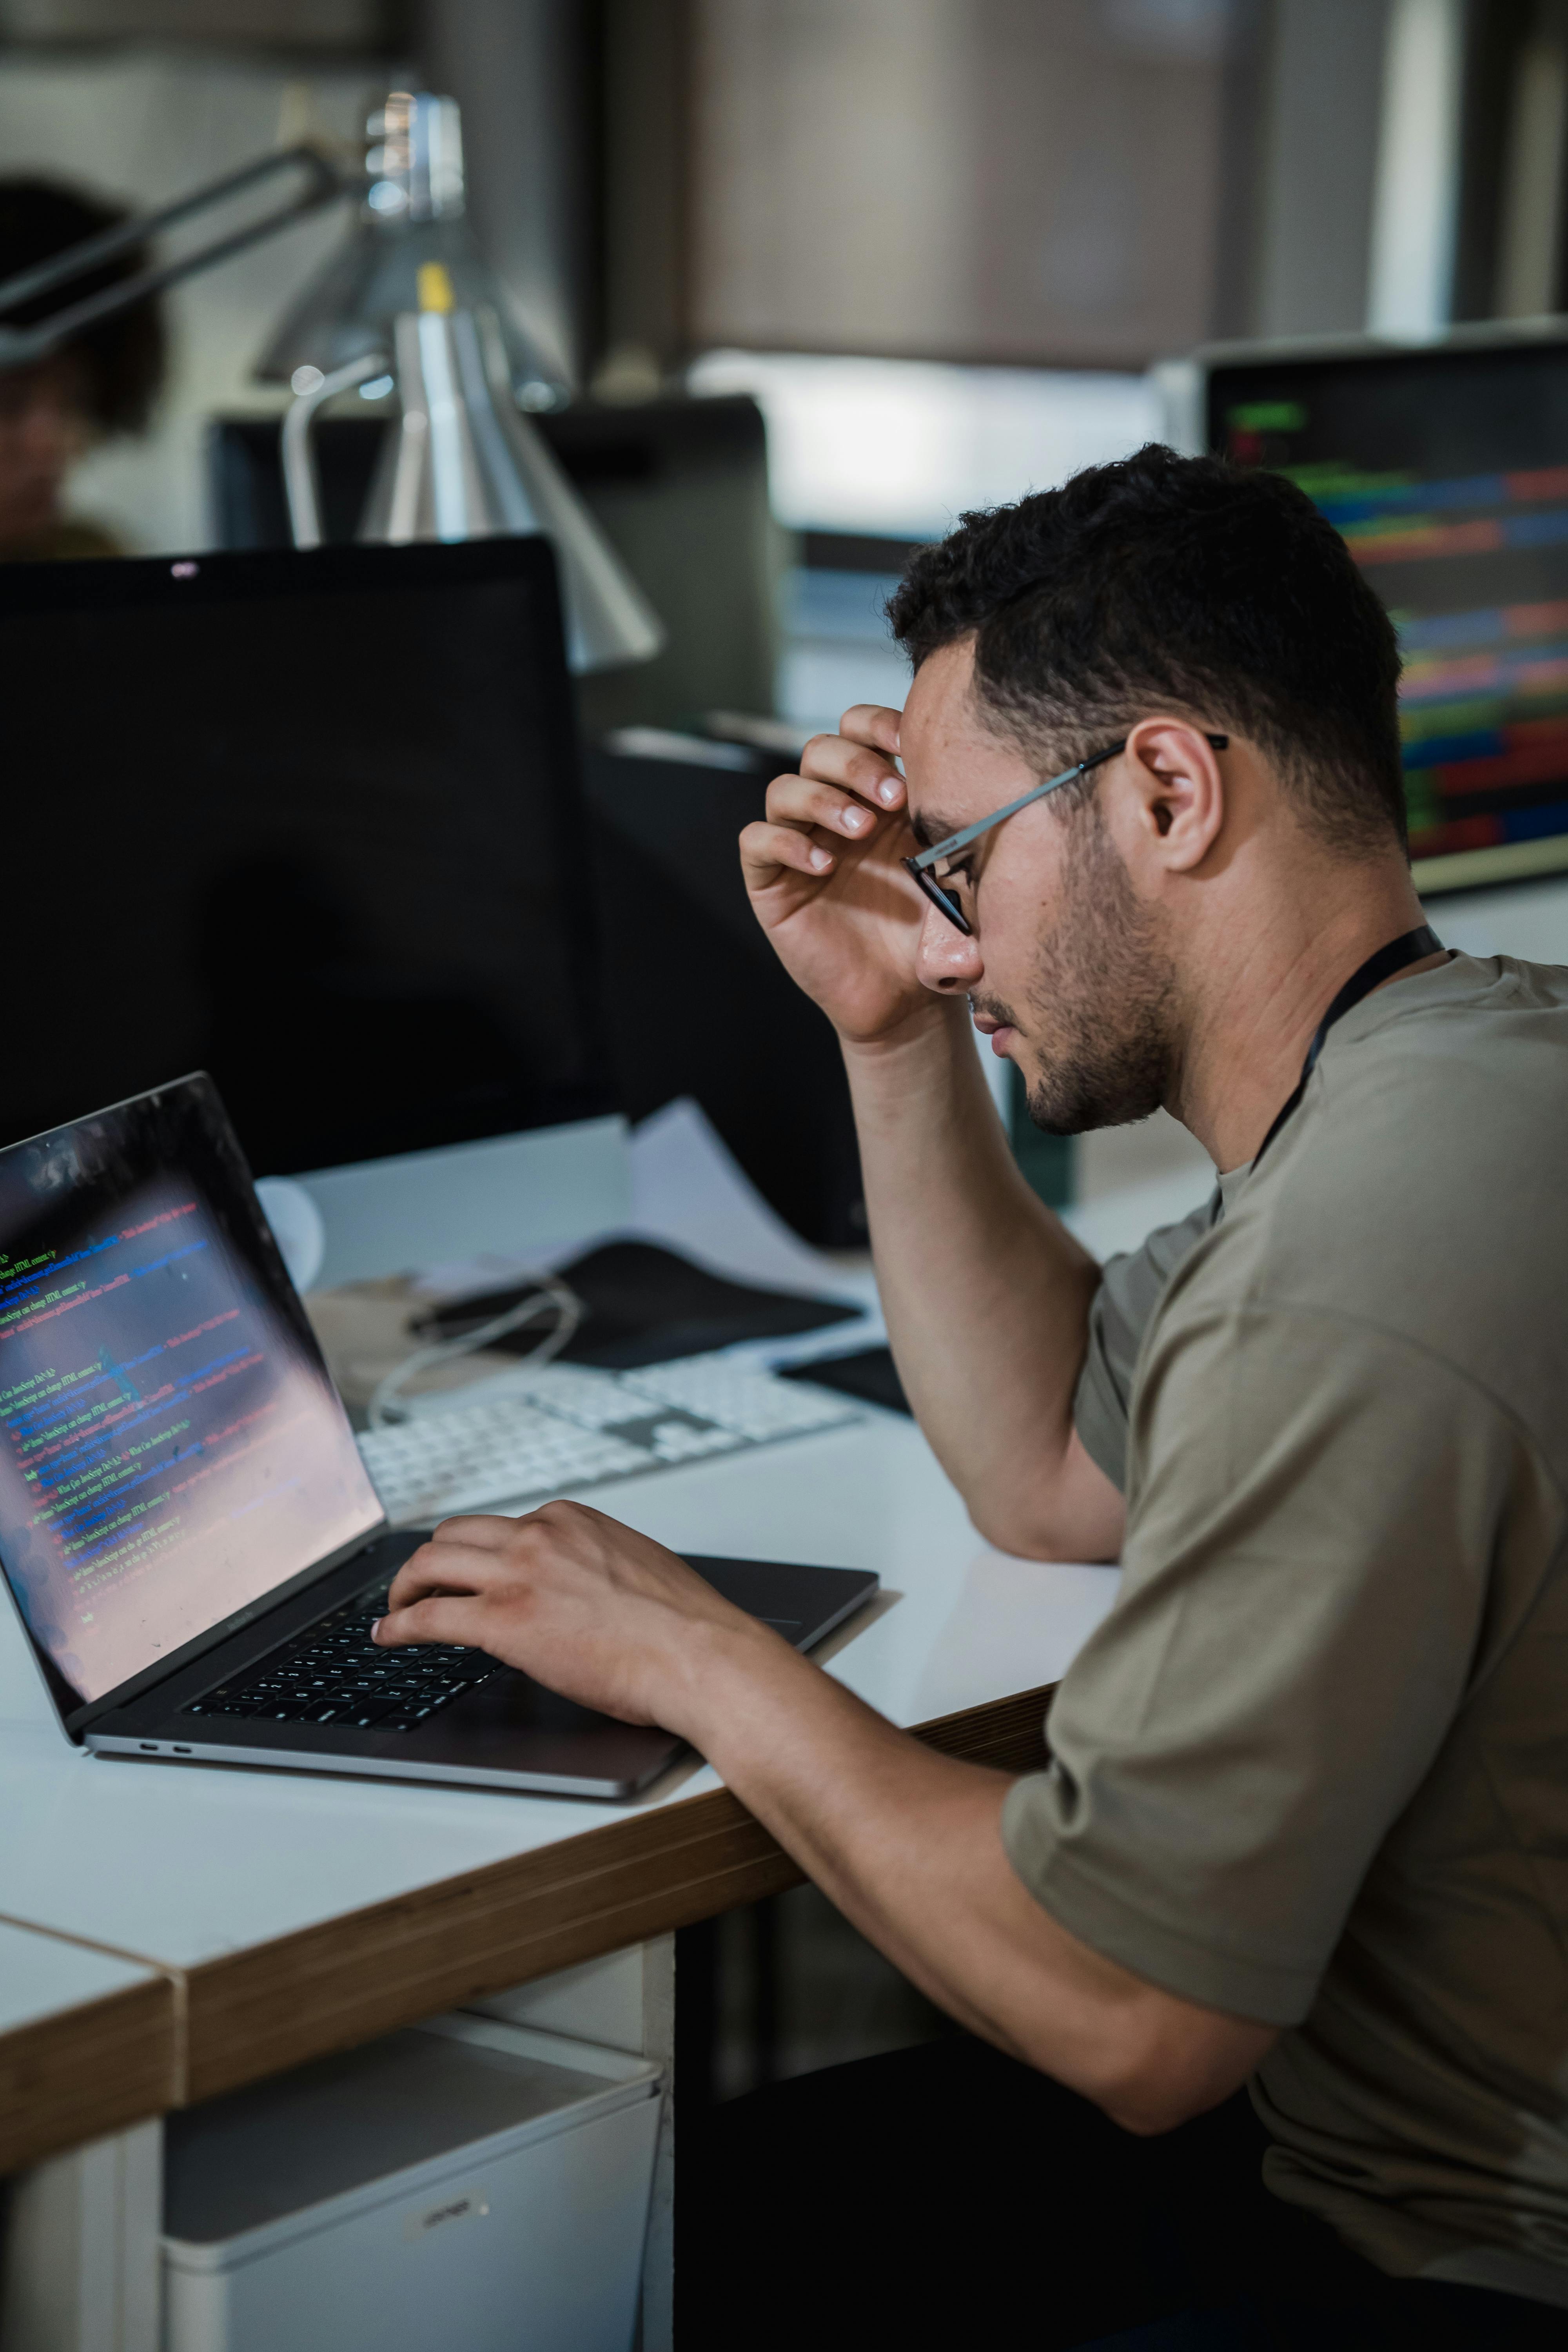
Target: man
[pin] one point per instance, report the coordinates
(1305, 1821)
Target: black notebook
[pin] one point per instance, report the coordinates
(644, 1305)
(869, 1374)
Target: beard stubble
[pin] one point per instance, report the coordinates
(1102, 1000)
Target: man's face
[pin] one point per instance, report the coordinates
(1068, 971)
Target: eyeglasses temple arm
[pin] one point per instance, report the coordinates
(927, 857)
(1037, 793)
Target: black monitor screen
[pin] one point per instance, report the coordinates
(1447, 471)
(308, 821)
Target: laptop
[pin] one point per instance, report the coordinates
(189, 1536)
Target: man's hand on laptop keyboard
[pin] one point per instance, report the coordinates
(586, 1606)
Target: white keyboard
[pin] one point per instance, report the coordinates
(568, 1427)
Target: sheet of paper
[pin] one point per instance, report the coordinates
(688, 1190)
(689, 1193)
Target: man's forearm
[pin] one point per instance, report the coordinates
(907, 1845)
(986, 1294)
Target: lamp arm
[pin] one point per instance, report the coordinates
(298, 461)
(21, 346)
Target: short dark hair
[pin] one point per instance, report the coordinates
(1184, 581)
(123, 356)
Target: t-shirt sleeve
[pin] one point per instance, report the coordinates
(1129, 1290)
(1316, 1508)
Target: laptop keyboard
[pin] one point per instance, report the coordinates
(562, 1426)
(335, 1674)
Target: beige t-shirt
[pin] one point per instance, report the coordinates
(1313, 1767)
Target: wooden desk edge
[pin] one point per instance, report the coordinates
(326, 1988)
(84, 2072)
(104, 2065)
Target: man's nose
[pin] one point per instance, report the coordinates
(948, 961)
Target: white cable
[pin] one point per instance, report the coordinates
(550, 1292)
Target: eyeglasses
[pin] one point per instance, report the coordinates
(919, 868)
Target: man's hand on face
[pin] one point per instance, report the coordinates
(590, 1608)
(825, 879)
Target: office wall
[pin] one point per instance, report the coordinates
(524, 73)
(1013, 180)
(1512, 249)
(1321, 97)
(333, 25)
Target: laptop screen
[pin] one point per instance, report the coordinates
(171, 1448)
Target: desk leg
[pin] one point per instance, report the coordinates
(80, 2271)
(627, 2001)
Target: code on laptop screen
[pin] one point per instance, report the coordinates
(170, 1446)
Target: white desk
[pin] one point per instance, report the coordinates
(293, 1914)
(87, 2044)
(244, 1884)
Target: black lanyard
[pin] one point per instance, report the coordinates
(1377, 967)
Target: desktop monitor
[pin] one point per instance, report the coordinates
(697, 1001)
(1446, 470)
(679, 488)
(312, 823)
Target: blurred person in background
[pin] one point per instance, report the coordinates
(103, 382)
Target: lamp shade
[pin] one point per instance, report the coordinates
(460, 460)
(414, 212)
(461, 463)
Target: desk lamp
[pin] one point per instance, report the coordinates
(411, 306)
(410, 303)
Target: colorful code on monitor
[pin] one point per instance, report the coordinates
(1446, 474)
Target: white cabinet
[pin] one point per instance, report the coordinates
(464, 2181)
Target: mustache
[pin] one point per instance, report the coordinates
(992, 1008)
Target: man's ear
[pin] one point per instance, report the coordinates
(1179, 793)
